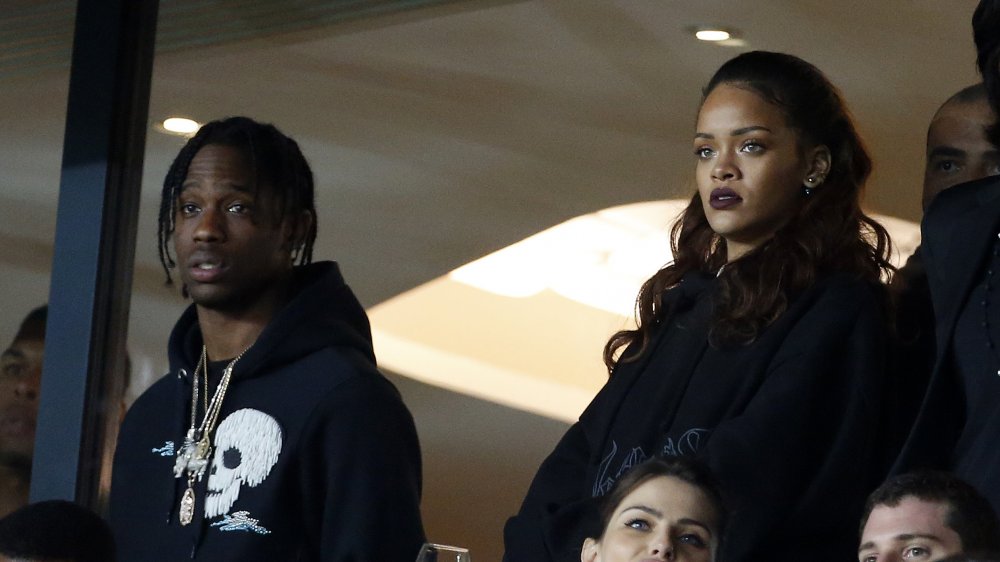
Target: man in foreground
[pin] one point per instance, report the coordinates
(926, 516)
(274, 437)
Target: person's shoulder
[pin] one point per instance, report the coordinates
(339, 374)
(846, 287)
(157, 397)
(839, 300)
(963, 198)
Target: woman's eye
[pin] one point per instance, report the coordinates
(640, 524)
(868, 558)
(752, 147)
(692, 539)
(703, 152)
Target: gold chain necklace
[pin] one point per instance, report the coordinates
(193, 458)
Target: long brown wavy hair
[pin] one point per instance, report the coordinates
(829, 233)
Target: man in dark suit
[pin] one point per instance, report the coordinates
(958, 151)
(958, 425)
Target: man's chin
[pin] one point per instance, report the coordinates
(211, 297)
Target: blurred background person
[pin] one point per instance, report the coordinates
(958, 151)
(958, 424)
(20, 376)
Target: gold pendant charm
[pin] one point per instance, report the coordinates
(186, 513)
(199, 462)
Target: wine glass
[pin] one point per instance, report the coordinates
(443, 553)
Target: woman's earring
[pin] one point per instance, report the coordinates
(811, 183)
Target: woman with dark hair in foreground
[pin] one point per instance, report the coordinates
(760, 349)
(668, 509)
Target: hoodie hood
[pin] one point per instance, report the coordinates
(323, 312)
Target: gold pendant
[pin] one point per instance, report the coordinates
(186, 514)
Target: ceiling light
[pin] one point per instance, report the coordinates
(712, 34)
(180, 126)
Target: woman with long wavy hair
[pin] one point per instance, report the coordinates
(761, 348)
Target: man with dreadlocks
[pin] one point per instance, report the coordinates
(274, 437)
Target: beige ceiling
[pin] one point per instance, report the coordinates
(441, 134)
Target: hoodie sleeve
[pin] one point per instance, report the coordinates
(361, 476)
(553, 517)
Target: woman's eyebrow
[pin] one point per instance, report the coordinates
(735, 132)
(645, 509)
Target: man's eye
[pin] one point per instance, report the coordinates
(868, 558)
(947, 166)
(13, 370)
(916, 552)
(188, 208)
(239, 208)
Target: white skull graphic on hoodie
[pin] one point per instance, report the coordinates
(247, 445)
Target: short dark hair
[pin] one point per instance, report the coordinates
(685, 469)
(56, 529)
(970, 515)
(969, 94)
(33, 325)
(276, 160)
(985, 26)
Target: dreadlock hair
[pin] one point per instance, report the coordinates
(828, 233)
(276, 161)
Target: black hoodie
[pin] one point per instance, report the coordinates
(789, 424)
(315, 455)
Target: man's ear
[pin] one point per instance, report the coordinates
(299, 230)
(589, 552)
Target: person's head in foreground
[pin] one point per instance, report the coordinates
(663, 509)
(55, 531)
(926, 515)
(958, 149)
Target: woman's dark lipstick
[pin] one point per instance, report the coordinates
(723, 198)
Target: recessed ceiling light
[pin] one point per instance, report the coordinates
(180, 125)
(712, 34)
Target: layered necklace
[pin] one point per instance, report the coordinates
(194, 455)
